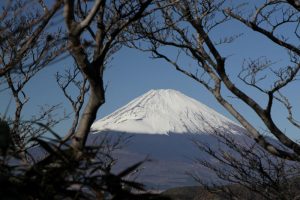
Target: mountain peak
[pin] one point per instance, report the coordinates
(165, 111)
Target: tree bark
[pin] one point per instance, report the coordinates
(96, 99)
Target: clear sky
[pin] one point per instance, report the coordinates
(132, 73)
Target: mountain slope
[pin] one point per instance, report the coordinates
(164, 124)
(164, 112)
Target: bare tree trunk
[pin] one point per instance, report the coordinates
(16, 137)
(96, 99)
(112, 19)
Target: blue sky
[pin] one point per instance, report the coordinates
(132, 73)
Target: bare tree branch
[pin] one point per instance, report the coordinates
(70, 78)
(183, 21)
(112, 18)
(29, 41)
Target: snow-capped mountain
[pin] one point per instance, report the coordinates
(165, 111)
(164, 124)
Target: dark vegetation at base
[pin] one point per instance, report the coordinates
(201, 193)
(227, 192)
(61, 174)
(187, 193)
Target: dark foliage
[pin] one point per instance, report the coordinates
(62, 175)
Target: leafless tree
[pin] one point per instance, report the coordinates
(71, 79)
(23, 39)
(189, 28)
(248, 171)
(95, 33)
(26, 48)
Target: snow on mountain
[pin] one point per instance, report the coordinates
(164, 124)
(165, 111)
